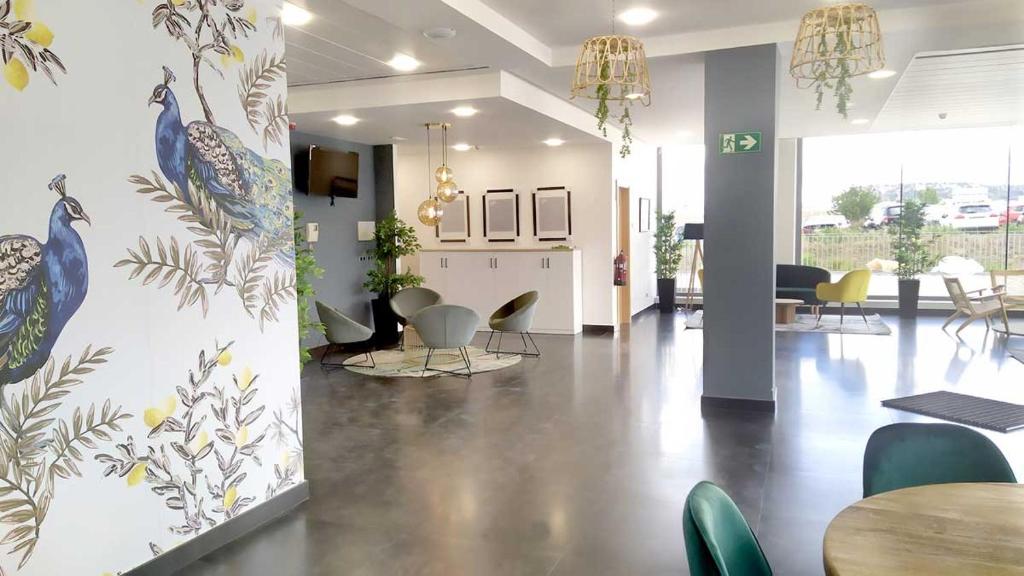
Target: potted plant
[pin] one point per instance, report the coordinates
(306, 269)
(912, 255)
(392, 239)
(668, 254)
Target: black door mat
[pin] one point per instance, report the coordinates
(963, 409)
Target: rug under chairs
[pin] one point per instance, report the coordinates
(514, 317)
(446, 327)
(342, 332)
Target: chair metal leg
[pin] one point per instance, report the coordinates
(430, 352)
(526, 347)
(465, 358)
(368, 357)
(842, 314)
(401, 346)
(498, 353)
(965, 325)
(862, 314)
(536, 349)
(487, 347)
(950, 319)
(821, 312)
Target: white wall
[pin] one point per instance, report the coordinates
(786, 219)
(586, 170)
(639, 173)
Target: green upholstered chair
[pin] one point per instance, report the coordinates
(718, 539)
(340, 331)
(915, 454)
(408, 301)
(514, 316)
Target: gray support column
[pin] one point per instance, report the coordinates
(739, 314)
(384, 179)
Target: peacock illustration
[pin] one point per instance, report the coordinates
(41, 288)
(254, 192)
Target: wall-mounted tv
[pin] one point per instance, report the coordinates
(321, 171)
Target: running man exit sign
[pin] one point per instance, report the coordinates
(739, 142)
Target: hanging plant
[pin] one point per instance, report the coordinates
(627, 134)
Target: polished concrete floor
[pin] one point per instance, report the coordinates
(578, 463)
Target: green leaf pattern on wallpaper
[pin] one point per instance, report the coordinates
(235, 203)
(42, 286)
(201, 476)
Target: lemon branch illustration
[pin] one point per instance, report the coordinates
(37, 450)
(24, 40)
(287, 436)
(232, 410)
(265, 114)
(205, 26)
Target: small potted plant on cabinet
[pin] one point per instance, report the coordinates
(668, 254)
(392, 239)
(912, 255)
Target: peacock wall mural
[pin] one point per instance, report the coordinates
(148, 382)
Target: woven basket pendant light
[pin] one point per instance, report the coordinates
(613, 68)
(431, 210)
(836, 43)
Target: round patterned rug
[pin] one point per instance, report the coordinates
(409, 364)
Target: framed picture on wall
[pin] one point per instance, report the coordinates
(645, 215)
(454, 225)
(552, 214)
(501, 215)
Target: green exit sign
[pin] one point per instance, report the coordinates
(739, 142)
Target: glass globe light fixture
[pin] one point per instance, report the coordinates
(430, 211)
(447, 191)
(443, 173)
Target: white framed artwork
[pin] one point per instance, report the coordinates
(454, 225)
(552, 214)
(501, 215)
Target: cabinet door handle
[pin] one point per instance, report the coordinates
(495, 263)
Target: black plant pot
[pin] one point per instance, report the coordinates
(385, 323)
(667, 294)
(909, 291)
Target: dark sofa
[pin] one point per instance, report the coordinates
(799, 282)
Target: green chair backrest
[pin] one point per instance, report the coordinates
(718, 539)
(916, 454)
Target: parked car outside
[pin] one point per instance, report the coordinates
(883, 214)
(825, 221)
(938, 213)
(1015, 214)
(974, 216)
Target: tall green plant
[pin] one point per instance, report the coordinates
(912, 254)
(668, 246)
(306, 269)
(393, 239)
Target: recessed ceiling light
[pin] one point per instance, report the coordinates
(439, 33)
(403, 62)
(398, 139)
(292, 15)
(638, 16)
(634, 95)
(464, 111)
(462, 147)
(859, 121)
(554, 141)
(346, 120)
(882, 74)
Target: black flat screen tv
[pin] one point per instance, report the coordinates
(321, 171)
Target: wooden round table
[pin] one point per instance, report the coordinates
(960, 529)
(785, 310)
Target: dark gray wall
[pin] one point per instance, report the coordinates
(739, 190)
(338, 252)
(384, 178)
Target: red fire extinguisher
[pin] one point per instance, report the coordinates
(620, 269)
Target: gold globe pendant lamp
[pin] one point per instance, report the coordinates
(836, 43)
(447, 189)
(431, 210)
(613, 68)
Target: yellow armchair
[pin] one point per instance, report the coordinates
(852, 288)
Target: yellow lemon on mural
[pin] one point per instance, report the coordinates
(201, 440)
(236, 55)
(178, 2)
(224, 358)
(137, 475)
(16, 74)
(242, 436)
(40, 34)
(23, 9)
(154, 417)
(245, 379)
(250, 15)
(229, 497)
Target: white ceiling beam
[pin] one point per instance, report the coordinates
(394, 91)
(511, 32)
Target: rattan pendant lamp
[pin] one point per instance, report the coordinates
(836, 43)
(613, 68)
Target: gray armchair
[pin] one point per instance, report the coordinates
(340, 331)
(408, 301)
(444, 326)
(515, 316)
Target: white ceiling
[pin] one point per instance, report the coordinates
(562, 22)
(971, 87)
(500, 123)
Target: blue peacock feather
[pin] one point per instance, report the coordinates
(254, 192)
(41, 288)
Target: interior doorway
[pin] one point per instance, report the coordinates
(624, 306)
